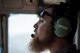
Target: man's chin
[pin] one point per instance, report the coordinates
(37, 45)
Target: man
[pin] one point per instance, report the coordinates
(55, 30)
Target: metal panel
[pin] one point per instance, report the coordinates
(79, 33)
(12, 3)
(0, 33)
(18, 6)
(0, 3)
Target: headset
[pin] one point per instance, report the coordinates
(62, 27)
(65, 22)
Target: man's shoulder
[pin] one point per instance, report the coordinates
(78, 50)
(73, 49)
(70, 49)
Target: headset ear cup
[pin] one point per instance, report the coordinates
(62, 27)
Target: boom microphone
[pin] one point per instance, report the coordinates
(32, 35)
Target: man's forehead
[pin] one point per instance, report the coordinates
(44, 18)
(49, 10)
(46, 11)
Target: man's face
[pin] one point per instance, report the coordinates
(43, 35)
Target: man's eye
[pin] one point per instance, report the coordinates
(41, 20)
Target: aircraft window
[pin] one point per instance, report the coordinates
(20, 28)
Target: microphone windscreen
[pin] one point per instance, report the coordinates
(32, 35)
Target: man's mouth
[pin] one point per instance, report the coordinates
(35, 30)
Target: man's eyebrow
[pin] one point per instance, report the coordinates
(38, 16)
(41, 18)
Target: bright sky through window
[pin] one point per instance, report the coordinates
(21, 23)
(20, 28)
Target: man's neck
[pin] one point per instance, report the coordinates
(58, 44)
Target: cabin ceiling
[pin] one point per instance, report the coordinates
(18, 6)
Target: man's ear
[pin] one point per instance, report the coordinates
(62, 27)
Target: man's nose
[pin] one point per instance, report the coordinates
(35, 25)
